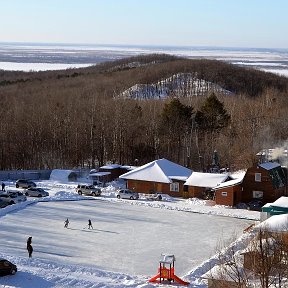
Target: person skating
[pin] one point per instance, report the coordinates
(90, 224)
(29, 246)
(3, 186)
(66, 223)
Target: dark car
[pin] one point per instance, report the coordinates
(3, 203)
(7, 268)
(23, 183)
(255, 205)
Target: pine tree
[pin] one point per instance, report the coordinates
(212, 116)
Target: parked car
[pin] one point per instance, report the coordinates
(36, 192)
(88, 190)
(7, 268)
(255, 205)
(154, 196)
(3, 203)
(13, 197)
(127, 194)
(23, 183)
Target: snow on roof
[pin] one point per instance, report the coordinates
(269, 165)
(276, 223)
(160, 170)
(99, 174)
(167, 258)
(110, 166)
(127, 167)
(231, 182)
(60, 175)
(208, 180)
(280, 202)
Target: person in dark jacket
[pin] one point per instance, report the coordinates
(29, 246)
(66, 223)
(90, 224)
(3, 186)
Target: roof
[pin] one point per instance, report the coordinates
(99, 174)
(161, 170)
(269, 165)
(110, 166)
(208, 180)
(280, 202)
(276, 223)
(60, 175)
(230, 183)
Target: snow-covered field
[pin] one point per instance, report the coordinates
(125, 245)
(39, 57)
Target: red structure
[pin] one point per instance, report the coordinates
(167, 273)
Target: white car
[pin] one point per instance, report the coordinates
(88, 190)
(13, 197)
(36, 192)
(127, 194)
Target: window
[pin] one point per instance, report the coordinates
(224, 194)
(257, 194)
(174, 187)
(257, 177)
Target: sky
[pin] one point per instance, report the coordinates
(220, 23)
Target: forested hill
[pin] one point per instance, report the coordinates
(77, 117)
(123, 74)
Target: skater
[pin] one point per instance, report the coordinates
(90, 224)
(66, 223)
(29, 247)
(3, 186)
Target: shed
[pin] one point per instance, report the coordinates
(63, 175)
(230, 192)
(199, 184)
(280, 206)
(161, 176)
(115, 170)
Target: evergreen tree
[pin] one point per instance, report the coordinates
(212, 116)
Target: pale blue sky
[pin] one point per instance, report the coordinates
(226, 23)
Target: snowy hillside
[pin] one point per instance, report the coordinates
(181, 85)
(124, 247)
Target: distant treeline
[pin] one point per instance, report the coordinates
(70, 118)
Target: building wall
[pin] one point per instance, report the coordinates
(154, 187)
(194, 191)
(234, 195)
(270, 194)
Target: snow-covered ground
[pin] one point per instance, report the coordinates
(125, 245)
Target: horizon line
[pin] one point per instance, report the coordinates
(142, 45)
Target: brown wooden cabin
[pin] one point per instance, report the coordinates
(199, 184)
(159, 176)
(115, 171)
(174, 189)
(228, 195)
(266, 182)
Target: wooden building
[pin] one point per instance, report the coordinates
(266, 182)
(200, 184)
(229, 193)
(159, 176)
